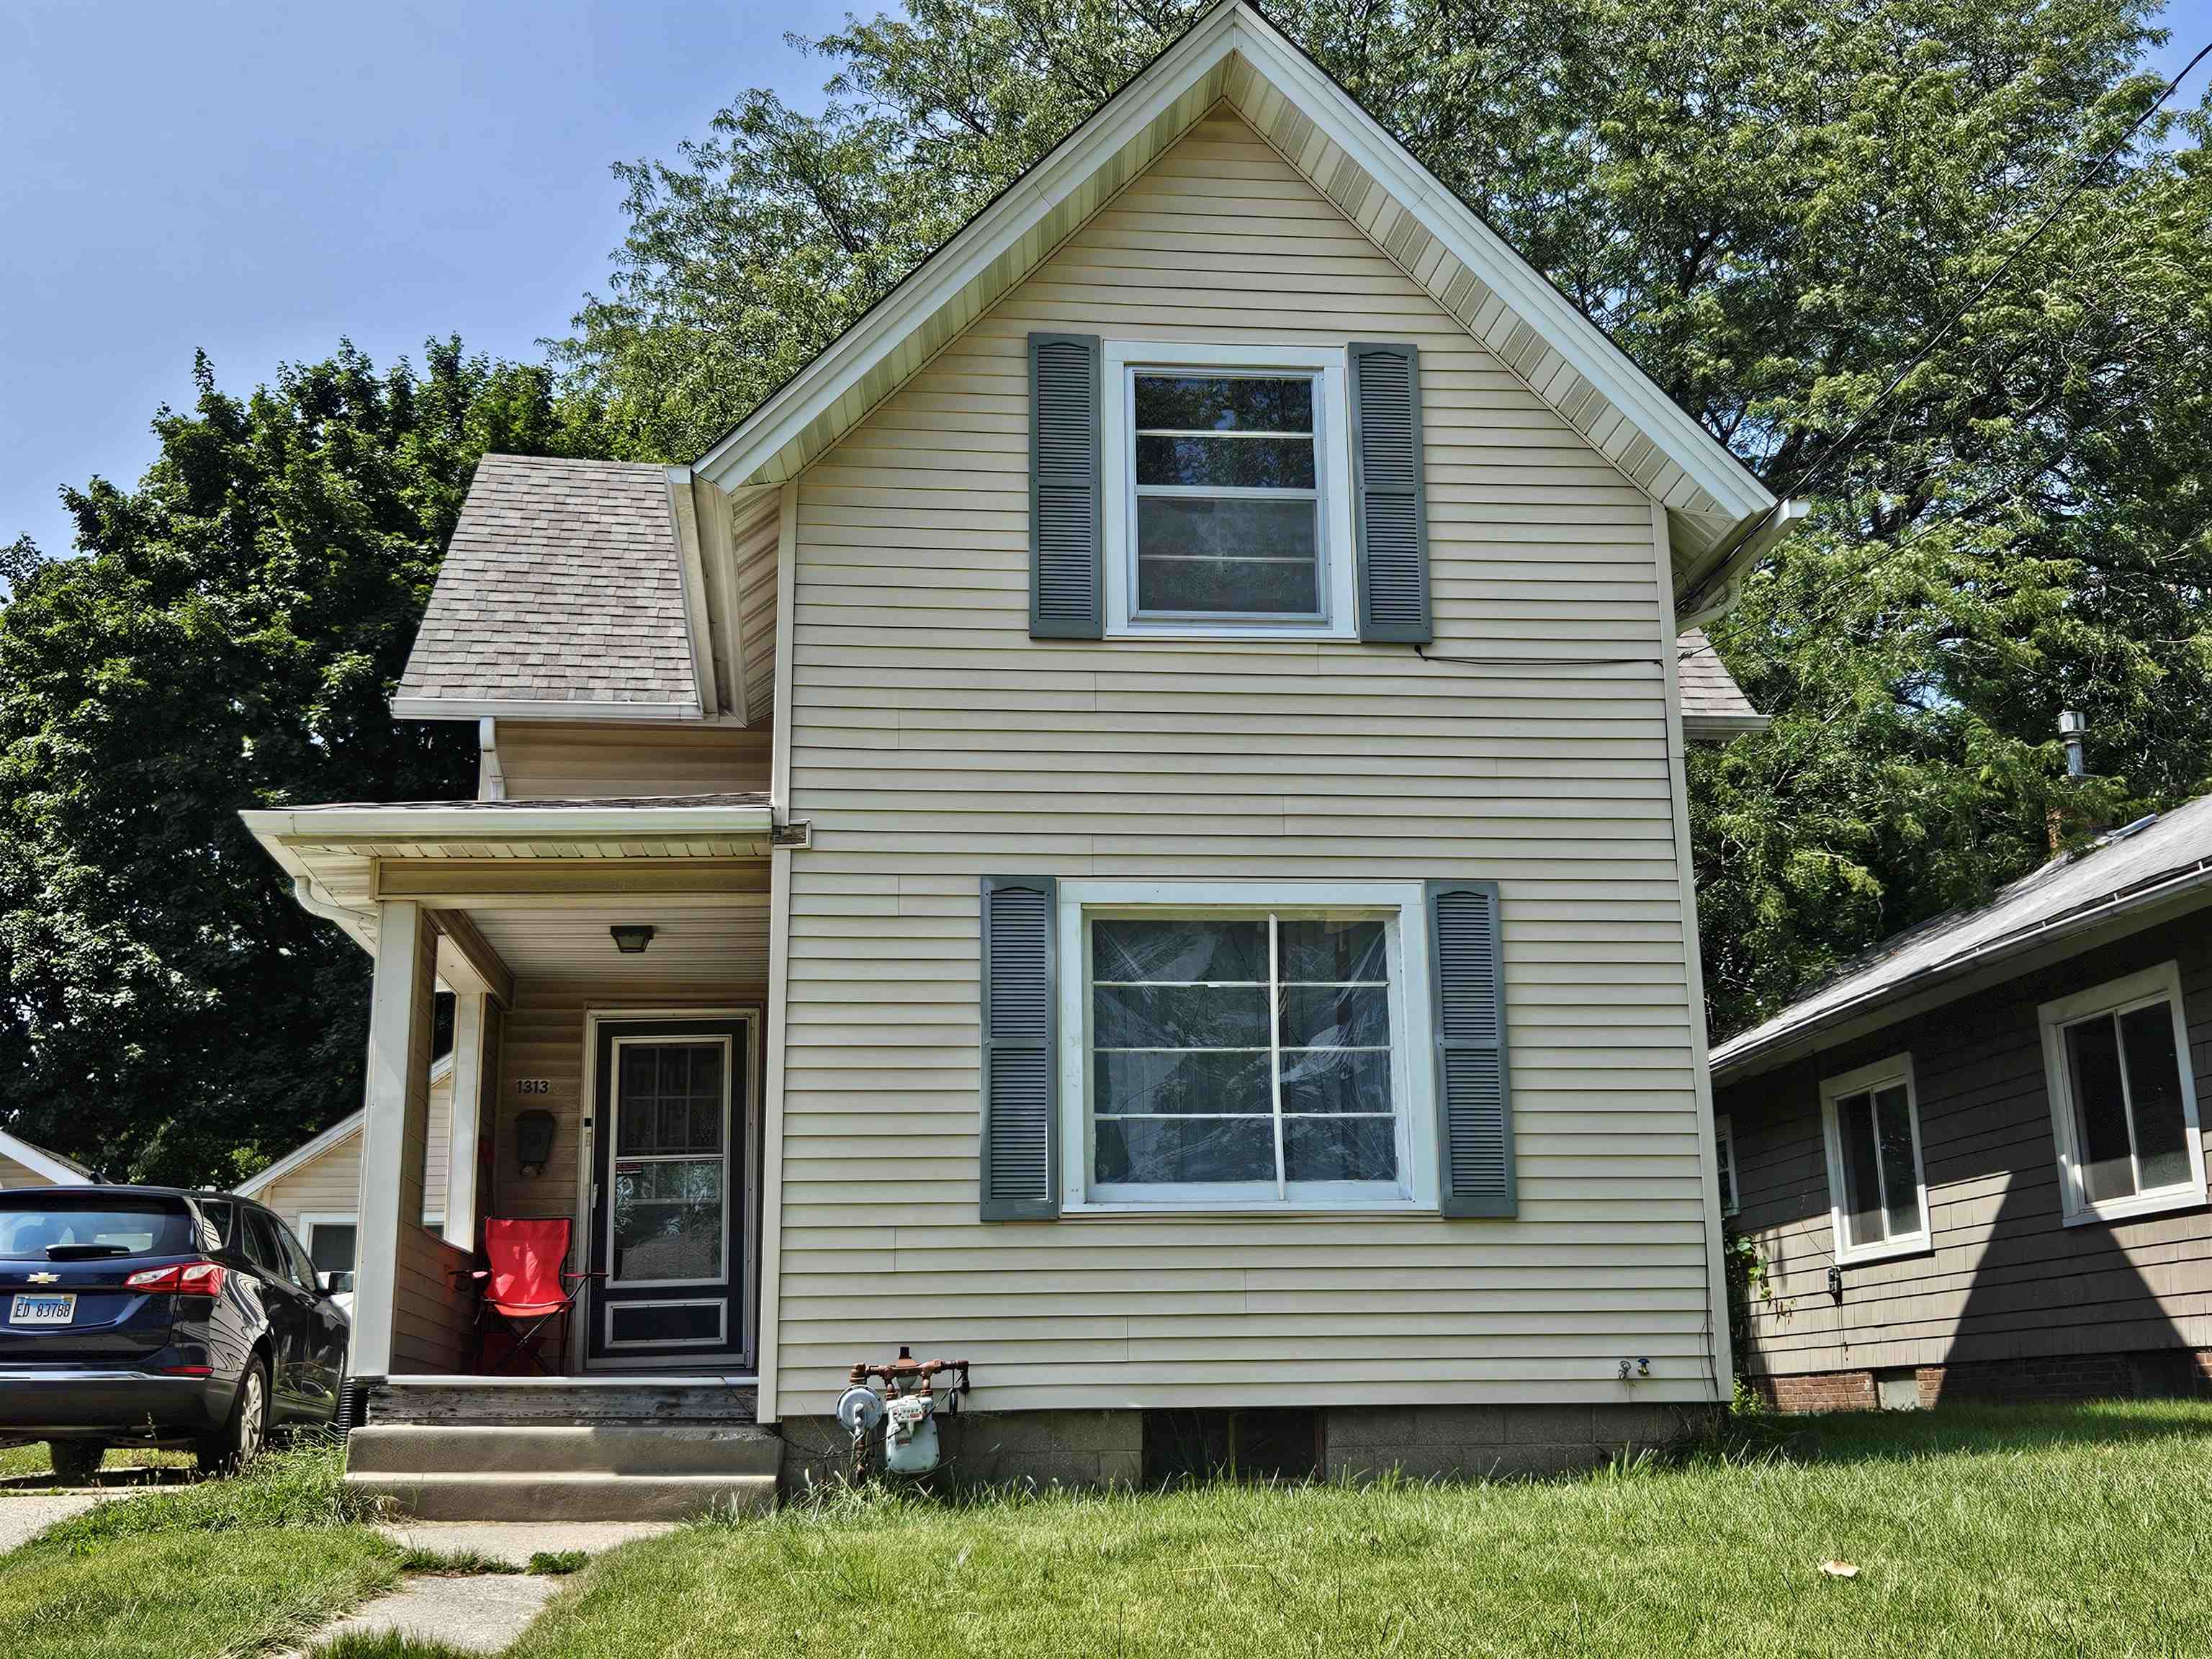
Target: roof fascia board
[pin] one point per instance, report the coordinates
(2006, 957)
(1754, 545)
(988, 237)
(683, 522)
(38, 1158)
(1518, 284)
(507, 822)
(305, 1153)
(476, 708)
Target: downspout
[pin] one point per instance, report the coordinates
(359, 923)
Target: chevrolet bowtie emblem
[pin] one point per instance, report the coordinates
(45, 1278)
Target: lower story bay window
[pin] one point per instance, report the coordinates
(1245, 1048)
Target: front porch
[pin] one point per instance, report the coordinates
(609, 964)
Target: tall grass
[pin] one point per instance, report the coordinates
(2027, 1531)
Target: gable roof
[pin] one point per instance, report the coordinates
(520, 623)
(1719, 516)
(62, 1171)
(2151, 863)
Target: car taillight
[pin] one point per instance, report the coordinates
(184, 1279)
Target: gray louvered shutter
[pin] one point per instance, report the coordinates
(1390, 521)
(1067, 589)
(1474, 1106)
(1021, 1132)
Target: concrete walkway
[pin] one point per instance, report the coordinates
(514, 1542)
(24, 1515)
(481, 1613)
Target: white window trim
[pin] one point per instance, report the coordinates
(1332, 472)
(1868, 1080)
(1413, 1069)
(2116, 997)
(1724, 1140)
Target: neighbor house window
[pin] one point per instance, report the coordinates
(1877, 1194)
(1248, 1055)
(331, 1241)
(2123, 1101)
(1227, 493)
(1724, 1144)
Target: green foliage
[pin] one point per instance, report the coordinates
(558, 1563)
(228, 639)
(1770, 206)
(298, 1486)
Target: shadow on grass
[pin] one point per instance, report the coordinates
(1889, 1436)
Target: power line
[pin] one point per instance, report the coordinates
(1919, 357)
(1858, 426)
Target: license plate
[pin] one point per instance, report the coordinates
(30, 1310)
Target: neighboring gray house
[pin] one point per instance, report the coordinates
(1974, 1163)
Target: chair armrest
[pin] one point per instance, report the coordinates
(596, 1273)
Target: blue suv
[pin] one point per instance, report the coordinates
(151, 1315)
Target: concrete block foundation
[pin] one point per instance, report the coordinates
(1085, 1449)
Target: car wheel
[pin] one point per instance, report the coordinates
(75, 1462)
(237, 1442)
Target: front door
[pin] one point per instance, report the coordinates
(669, 1226)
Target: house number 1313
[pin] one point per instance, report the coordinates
(533, 1085)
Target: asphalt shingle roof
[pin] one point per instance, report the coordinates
(2163, 856)
(563, 584)
(1708, 690)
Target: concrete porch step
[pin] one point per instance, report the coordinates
(404, 1449)
(484, 1496)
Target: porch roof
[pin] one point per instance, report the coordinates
(448, 853)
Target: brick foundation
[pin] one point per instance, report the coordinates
(2162, 1373)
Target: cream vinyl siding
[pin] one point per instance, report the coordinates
(13, 1174)
(542, 1036)
(564, 760)
(330, 1182)
(932, 742)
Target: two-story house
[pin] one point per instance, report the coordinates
(1127, 826)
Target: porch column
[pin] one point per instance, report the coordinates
(476, 1074)
(395, 1121)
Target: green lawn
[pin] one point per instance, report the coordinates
(208, 1570)
(2023, 1530)
(31, 1461)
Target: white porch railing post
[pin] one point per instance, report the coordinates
(398, 1021)
(474, 1023)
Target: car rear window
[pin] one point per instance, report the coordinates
(46, 1226)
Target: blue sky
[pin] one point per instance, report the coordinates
(259, 180)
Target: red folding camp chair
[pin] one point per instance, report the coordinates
(526, 1282)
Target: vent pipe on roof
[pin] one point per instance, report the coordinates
(2073, 729)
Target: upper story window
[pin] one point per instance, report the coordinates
(2123, 1100)
(1227, 493)
(1877, 1193)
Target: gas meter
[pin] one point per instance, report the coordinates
(906, 1411)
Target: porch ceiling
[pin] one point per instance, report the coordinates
(544, 880)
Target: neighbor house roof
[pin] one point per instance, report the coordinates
(562, 593)
(1713, 704)
(1719, 515)
(307, 1151)
(62, 1171)
(2126, 873)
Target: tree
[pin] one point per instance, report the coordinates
(228, 639)
(1770, 206)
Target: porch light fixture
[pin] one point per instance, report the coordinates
(631, 938)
